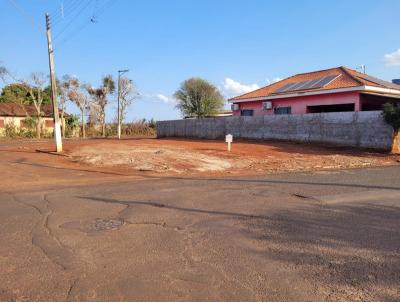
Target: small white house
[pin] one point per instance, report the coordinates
(15, 114)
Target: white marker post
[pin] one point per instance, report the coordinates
(229, 140)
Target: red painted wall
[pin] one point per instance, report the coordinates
(299, 104)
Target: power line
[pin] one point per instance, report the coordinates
(68, 10)
(108, 4)
(95, 7)
(56, 13)
(67, 5)
(74, 33)
(86, 23)
(73, 19)
(71, 4)
(26, 15)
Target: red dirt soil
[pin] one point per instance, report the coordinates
(144, 156)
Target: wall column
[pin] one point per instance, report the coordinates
(357, 104)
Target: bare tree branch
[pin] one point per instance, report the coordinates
(77, 93)
(127, 96)
(36, 85)
(100, 99)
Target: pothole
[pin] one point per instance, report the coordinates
(100, 224)
(93, 226)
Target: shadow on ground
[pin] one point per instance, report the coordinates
(354, 248)
(353, 251)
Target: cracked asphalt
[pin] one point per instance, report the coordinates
(77, 235)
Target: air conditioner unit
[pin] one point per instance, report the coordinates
(267, 105)
(235, 107)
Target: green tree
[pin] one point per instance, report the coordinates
(15, 93)
(20, 93)
(198, 98)
(391, 114)
(71, 123)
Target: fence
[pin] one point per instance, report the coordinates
(365, 129)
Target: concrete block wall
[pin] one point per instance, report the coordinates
(365, 129)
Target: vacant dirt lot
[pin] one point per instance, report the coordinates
(182, 157)
(198, 157)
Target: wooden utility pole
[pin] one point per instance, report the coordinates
(57, 126)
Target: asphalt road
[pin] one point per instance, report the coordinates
(72, 235)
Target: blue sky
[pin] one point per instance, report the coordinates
(237, 45)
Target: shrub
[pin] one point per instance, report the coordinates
(391, 115)
(139, 128)
(136, 128)
(27, 133)
(71, 125)
(30, 123)
(152, 124)
(11, 130)
(93, 130)
(111, 130)
(29, 130)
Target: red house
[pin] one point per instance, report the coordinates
(332, 90)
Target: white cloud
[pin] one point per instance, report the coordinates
(163, 98)
(274, 80)
(393, 59)
(156, 97)
(234, 87)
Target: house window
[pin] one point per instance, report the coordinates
(1, 123)
(283, 110)
(246, 112)
(331, 108)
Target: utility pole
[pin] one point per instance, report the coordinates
(120, 72)
(57, 128)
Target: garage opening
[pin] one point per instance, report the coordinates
(331, 108)
(371, 102)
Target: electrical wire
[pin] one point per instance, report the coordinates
(95, 7)
(68, 11)
(106, 5)
(27, 16)
(69, 14)
(85, 24)
(73, 33)
(73, 19)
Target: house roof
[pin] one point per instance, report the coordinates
(16, 110)
(345, 78)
